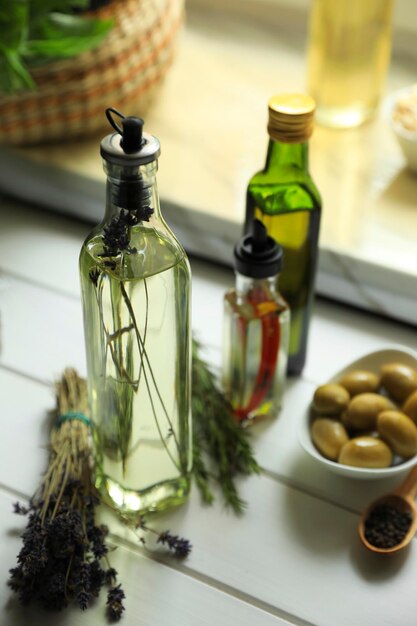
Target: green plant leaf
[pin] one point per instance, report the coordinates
(40, 9)
(48, 6)
(66, 36)
(13, 75)
(13, 24)
(60, 23)
(33, 32)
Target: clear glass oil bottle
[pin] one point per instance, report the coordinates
(256, 330)
(284, 197)
(135, 280)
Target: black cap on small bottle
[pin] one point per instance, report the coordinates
(257, 255)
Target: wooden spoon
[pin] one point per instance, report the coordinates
(401, 499)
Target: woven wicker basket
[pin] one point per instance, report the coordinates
(124, 71)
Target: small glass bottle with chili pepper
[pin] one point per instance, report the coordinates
(256, 329)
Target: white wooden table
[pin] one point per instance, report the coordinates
(292, 558)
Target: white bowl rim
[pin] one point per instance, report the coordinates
(349, 470)
(388, 107)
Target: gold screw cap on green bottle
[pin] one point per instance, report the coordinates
(291, 117)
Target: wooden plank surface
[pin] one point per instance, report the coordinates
(294, 556)
(155, 593)
(258, 557)
(338, 335)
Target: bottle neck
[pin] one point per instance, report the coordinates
(133, 189)
(283, 156)
(265, 288)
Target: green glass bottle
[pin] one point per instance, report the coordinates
(135, 281)
(284, 197)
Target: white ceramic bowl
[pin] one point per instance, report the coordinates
(407, 139)
(373, 363)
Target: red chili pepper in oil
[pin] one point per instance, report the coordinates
(256, 330)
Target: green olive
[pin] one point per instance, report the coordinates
(330, 399)
(399, 431)
(410, 407)
(364, 451)
(360, 381)
(399, 380)
(329, 436)
(363, 410)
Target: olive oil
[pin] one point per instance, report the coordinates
(135, 281)
(141, 431)
(348, 56)
(284, 197)
(255, 348)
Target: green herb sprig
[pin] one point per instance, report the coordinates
(33, 32)
(221, 448)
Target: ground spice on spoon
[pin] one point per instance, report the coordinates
(386, 526)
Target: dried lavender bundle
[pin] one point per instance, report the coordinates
(64, 554)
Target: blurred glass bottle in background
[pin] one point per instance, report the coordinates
(348, 56)
(284, 197)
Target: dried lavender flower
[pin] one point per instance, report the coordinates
(179, 546)
(116, 235)
(19, 509)
(115, 608)
(63, 557)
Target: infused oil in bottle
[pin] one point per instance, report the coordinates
(256, 325)
(135, 281)
(348, 57)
